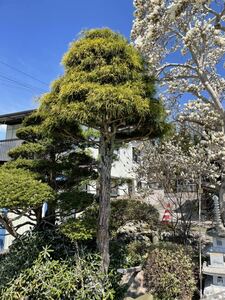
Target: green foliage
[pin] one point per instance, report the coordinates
(105, 87)
(84, 227)
(105, 82)
(136, 253)
(49, 279)
(78, 229)
(27, 150)
(125, 210)
(25, 250)
(128, 254)
(21, 188)
(169, 274)
(75, 199)
(47, 162)
(122, 211)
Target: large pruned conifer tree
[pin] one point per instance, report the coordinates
(105, 88)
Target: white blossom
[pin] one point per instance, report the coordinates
(184, 43)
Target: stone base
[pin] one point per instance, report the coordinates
(134, 279)
(143, 297)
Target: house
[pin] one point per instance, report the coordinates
(122, 169)
(13, 122)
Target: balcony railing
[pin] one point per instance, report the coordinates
(5, 146)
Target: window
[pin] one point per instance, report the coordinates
(186, 186)
(135, 154)
(219, 243)
(114, 191)
(219, 280)
(139, 185)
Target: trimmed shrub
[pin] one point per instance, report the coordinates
(169, 274)
(122, 211)
(125, 210)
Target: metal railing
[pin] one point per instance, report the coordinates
(5, 146)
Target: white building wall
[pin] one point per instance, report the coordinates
(11, 131)
(9, 238)
(217, 260)
(123, 167)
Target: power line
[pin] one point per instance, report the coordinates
(22, 72)
(22, 84)
(11, 85)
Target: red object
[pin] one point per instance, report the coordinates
(167, 216)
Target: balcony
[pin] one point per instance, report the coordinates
(5, 146)
(213, 270)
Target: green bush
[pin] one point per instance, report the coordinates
(47, 279)
(122, 211)
(24, 253)
(125, 210)
(25, 250)
(169, 274)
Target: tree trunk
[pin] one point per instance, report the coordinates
(106, 154)
(50, 217)
(38, 215)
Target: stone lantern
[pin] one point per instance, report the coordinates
(215, 270)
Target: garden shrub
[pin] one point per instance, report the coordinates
(48, 279)
(125, 210)
(25, 250)
(122, 211)
(169, 274)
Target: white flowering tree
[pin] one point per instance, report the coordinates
(179, 171)
(184, 43)
(196, 152)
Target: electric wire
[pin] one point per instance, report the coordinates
(22, 84)
(13, 85)
(22, 72)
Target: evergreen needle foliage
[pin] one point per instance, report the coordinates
(24, 190)
(105, 87)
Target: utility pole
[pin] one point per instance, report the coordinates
(199, 193)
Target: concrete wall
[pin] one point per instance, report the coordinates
(9, 238)
(11, 131)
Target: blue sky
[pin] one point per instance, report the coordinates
(34, 35)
